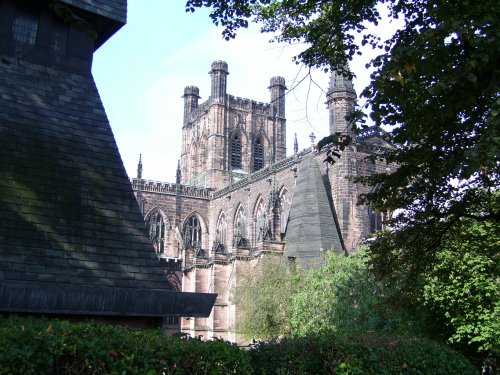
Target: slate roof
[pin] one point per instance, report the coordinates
(72, 239)
(311, 228)
(115, 9)
(107, 16)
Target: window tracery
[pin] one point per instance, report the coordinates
(240, 228)
(220, 242)
(156, 226)
(285, 204)
(262, 229)
(192, 233)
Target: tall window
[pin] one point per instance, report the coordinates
(261, 225)
(375, 221)
(157, 232)
(25, 27)
(192, 233)
(240, 228)
(220, 242)
(285, 203)
(258, 155)
(236, 152)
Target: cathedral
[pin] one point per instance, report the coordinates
(238, 196)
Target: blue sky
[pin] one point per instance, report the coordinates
(142, 70)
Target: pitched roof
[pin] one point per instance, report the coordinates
(311, 229)
(72, 239)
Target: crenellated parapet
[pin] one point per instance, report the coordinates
(170, 188)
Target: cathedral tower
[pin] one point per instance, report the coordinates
(228, 137)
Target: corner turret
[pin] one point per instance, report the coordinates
(219, 74)
(341, 101)
(277, 88)
(191, 96)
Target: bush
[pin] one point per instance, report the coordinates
(41, 346)
(330, 354)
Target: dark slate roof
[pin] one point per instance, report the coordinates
(115, 9)
(311, 228)
(105, 16)
(72, 239)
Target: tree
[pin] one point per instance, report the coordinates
(342, 296)
(262, 296)
(463, 285)
(436, 83)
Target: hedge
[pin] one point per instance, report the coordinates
(42, 346)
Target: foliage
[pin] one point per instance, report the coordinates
(463, 285)
(329, 353)
(436, 83)
(41, 346)
(343, 296)
(262, 297)
(458, 281)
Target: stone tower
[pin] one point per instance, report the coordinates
(341, 100)
(227, 137)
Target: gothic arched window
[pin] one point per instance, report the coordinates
(258, 155)
(240, 228)
(157, 231)
(236, 152)
(261, 224)
(376, 220)
(192, 233)
(220, 242)
(285, 203)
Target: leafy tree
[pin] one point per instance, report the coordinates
(463, 286)
(342, 296)
(262, 297)
(436, 83)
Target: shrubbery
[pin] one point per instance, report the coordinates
(40, 346)
(331, 354)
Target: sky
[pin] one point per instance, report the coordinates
(142, 70)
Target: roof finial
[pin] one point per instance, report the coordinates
(139, 167)
(313, 137)
(178, 173)
(295, 145)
